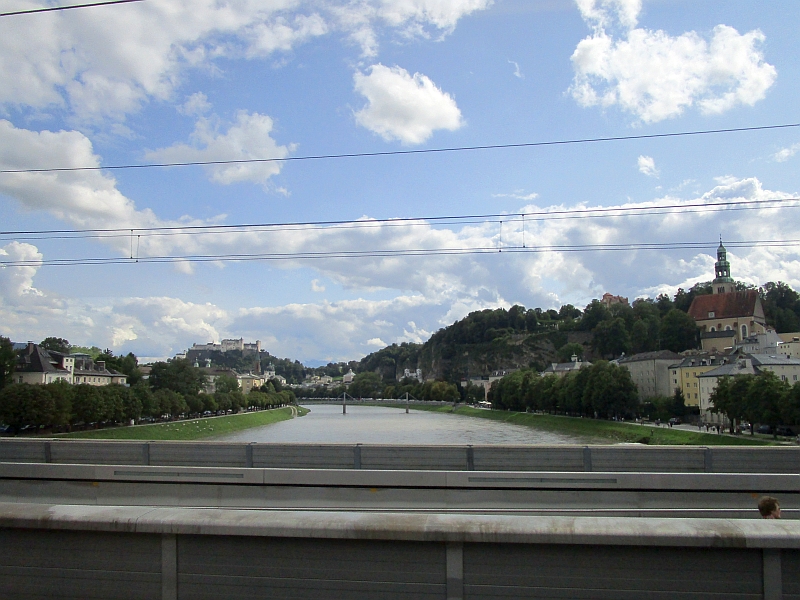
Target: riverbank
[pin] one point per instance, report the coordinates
(602, 431)
(193, 429)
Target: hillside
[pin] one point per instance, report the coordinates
(500, 339)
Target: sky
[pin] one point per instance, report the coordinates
(177, 81)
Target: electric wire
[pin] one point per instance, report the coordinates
(68, 7)
(401, 152)
(412, 252)
(535, 216)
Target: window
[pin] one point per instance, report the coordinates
(744, 331)
(711, 314)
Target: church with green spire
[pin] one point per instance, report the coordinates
(723, 282)
(726, 317)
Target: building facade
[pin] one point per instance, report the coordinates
(786, 368)
(36, 365)
(650, 371)
(685, 374)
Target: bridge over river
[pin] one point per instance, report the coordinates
(190, 520)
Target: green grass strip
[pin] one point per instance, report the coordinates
(599, 430)
(194, 429)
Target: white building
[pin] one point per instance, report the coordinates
(561, 369)
(650, 371)
(786, 368)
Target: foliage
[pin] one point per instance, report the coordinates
(128, 364)
(781, 306)
(679, 332)
(93, 352)
(683, 299)
(567, 351)
(594, 431)
(8, 360)
(226, 383)
(601, 390)
(56, 344)
(611, 337)
(366, 385)
(178, 376)
(761, 398)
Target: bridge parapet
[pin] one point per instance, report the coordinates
(171, 553)
(627, 458)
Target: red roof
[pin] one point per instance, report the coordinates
(724, 306)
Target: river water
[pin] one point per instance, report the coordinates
(326, 424)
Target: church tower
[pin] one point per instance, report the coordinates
(723, 282)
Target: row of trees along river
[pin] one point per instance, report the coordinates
(174, 390)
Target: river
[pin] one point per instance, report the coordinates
(326, 424)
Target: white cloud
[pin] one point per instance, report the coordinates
(404, 107)
(518, 195)
(785, 154)
(197, 104)
(600, 13)
(376, 343)
(517, 72)
(16, 283)
(647, 166)
(248, 138)
(316, 286)
(656, 76)
(411, 18)
(98, 64)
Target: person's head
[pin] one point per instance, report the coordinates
(769, 508)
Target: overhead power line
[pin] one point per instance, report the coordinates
(400, 152)
(533, 216)
(340, 254)
(69, 7)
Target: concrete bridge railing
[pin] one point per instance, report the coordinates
(174, 553)
(629, 458)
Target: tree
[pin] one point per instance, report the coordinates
(366, 385)
(56, 344)
(611, 337)
(226, 383)
(567, 351)
(62, 393)
(678, 406)
(170, 402)
(595, 312)
(609, 391)
(765, 396)
(781, 306)
(22, 405)
(87, 404)
(179, 376)
(128, 364)
(8, 361)
(679, 332)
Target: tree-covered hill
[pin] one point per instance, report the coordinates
(517, 338)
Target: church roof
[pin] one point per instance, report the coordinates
(724, 306)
